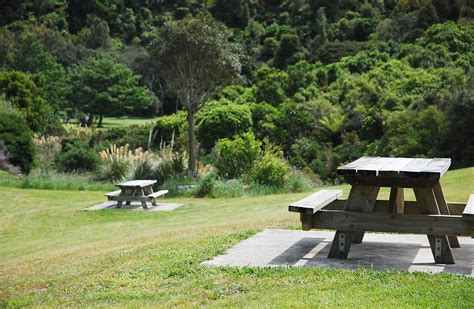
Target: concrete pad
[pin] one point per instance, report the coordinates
(136, 206)
(377, 251)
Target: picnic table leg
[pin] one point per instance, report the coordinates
(144, 202)
(150, 191)
(396, 202)
(371, 197)
(132, 194)
(361, 198)
(444, 210)
(439, 244)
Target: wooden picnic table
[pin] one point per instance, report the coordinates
(430, 214)
(135, 190)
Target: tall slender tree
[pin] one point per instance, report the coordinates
(195, 57)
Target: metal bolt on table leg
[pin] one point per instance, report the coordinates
(438, 247)
(342, 245)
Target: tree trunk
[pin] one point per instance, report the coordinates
(101, 117)
(191, 144)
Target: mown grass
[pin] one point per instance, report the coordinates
(118, 122)
(53, 253)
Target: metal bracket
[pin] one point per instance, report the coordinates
(438, 249)
(342, 245)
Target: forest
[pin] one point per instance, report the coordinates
(319, 83)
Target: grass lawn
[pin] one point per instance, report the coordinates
(53, 253)
(117, 122)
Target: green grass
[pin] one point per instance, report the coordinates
(118, 122)
(52, 253)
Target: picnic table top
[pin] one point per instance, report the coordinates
(136, 183)
(398, 167)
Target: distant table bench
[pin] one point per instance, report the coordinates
(135, 190)
(430, 214)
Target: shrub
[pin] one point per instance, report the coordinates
(270, 170)
(236, 157)
(206, 187)
(16, 136)
(298, 182)
(144, 170)
(47, 149)
(77, 159)
(221, 119)
(118, 161)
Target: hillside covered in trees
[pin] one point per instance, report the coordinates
(323, 82)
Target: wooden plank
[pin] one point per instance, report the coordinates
(315, 201)
(416, 166)
(373, 166)
(427, 203)
(157, 194)
(367, 196)
(438, 165)
(124, 198)
(444, 210)
(410, 207)
(396, 201)
(395, 167)
(136, 183)
(390, 223)
(352, 167)
(399, 181)
(360, 198)
(469, 209)
(113, 193)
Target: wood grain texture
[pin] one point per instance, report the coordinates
(444, 210)
(410, 207)
(396, 167)
(469, 209)
(428, 204)
(315, 201)
(396, 202)
(367, 197)
(390, 223)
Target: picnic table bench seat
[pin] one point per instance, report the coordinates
(157, 194)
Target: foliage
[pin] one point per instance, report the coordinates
(221, 119)
(20, 89)
(17, 139)
(77, 159)
(200, 43)
(270, 170)
(206, 186)
(236, 157)
(103, 87)
(47, 149)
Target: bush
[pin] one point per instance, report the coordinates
(206, 187)
(236, 157)
(77, 159)
(144, 170)
(270, 170)
(222, 119)
(298, 182)
(16, 136)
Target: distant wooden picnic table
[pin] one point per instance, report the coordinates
(135, 190)
(430, 214)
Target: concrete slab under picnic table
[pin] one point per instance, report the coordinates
(378, 251)
(135, 206)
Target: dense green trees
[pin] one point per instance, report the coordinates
(326, 81)
(16, 137)
(103, 87)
